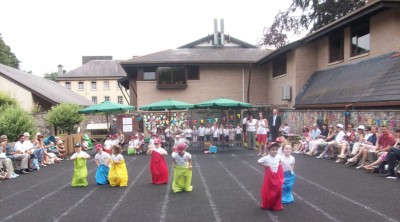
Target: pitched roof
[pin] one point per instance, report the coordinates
(375, 80)
(43, 88)
(201, 55)
(96, 68)
(209, 38)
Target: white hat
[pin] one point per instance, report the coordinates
(361, 127)
(340, 125)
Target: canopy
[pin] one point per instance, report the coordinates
(223, 103)
(106, 107)
(168, 104)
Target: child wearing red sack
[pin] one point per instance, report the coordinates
(158, 165)
(271, 190)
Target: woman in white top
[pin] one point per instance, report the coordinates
(215, 132)
(251, 132)
(262, 130)
(207, 133)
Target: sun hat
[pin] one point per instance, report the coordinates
(361, 127)
(340, 126)
(77, 145)
(181, 147)
(99, 147)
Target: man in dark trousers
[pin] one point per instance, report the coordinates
(275, 123)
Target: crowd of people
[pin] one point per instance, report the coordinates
(354, 147)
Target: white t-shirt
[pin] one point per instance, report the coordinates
(27, 145)
(339, 137)
(167, 132)
(215, 132)
(134, 143)
(118, 157)
(226, 132)
(262, 128)
(19, 147)
(251, 126)
(244, 121)
(238, 130)
(182, 160)
(188, 132)
(207, 131)
(160, 150)
(82, 154)
(202, 131)
(108, 144)
(272, 162)
(287, 162)
(102, 158)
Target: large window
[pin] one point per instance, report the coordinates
(279, 66)
(120, 100)
(336, 47)
(81, 86)
(94, 99)
(106, 85)
(94, 85)
(193, 72)
(360, 38)
(68, 85)
(171, 75)
(149, 75)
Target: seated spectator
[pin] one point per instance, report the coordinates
(313, 143)
(392, 157)
(362, 149)
(329, 150)
(19, 155)
(285, 129)
(345, 148)
(6, 164)
(303, 141)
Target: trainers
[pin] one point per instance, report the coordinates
(319, 157)
(391, 177)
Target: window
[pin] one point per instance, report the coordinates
(336, 47)
(171, 75)
(94, 99)
(68, 85)
(149, 75)
(106, 98)
(106, 85)
(279, 66)
(81, 86)
(120, 100)
(193, 72)
(360, 38)
(94, 85)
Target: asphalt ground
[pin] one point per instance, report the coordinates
(226, 187)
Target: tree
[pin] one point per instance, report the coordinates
(306, 15)
(14, 121)
(65, 116)
(6, 56)
(51, 76)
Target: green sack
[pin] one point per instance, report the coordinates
(131, 151)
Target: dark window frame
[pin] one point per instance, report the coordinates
(358, 31)
(336, 47)
(279, 65)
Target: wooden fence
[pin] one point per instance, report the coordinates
(70, 140)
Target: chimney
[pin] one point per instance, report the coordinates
(215, 32)
(60, 70)
(222, 33)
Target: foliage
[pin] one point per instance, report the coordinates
(6, 56)
(51, 76)
(36, 108)
(306, 15)
(15, 121)
(65, 116)
(6, 99)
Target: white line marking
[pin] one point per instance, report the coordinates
(166, 197)
(271, 216)
(315, 207)
(40, 200)
(210, 199)
(123, 196)
(74, 206)
(350, 200)
(336, 194)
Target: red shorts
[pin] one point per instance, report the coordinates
(262, 138)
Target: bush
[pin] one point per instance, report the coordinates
(6, 99)
(65, 116)
(15, 121)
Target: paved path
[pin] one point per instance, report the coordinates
(226, 188)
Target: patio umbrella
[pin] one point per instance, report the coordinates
(168, 104)
(106, 107)
(223, 103)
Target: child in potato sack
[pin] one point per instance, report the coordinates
(158, 165)
(182, 170)
(118, 174)
(102, 160)
(79, 178)
(271, 190)
(288, 166)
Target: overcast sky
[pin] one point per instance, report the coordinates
(46, 33)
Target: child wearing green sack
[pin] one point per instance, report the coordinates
(182, 170)
(80, 169)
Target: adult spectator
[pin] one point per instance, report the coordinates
(332, 145)
(202, 133)
(275, 123)
(251, 132)
(392, 157)
(318, 139)
(364, 147)
(285, 129)
(6, 162)
(18, 153)
(385, 141)
(262, 130)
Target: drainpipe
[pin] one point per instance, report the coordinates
(243, 84)
(248, 85)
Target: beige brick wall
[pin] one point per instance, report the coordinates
(385, 38)
(215, 82)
